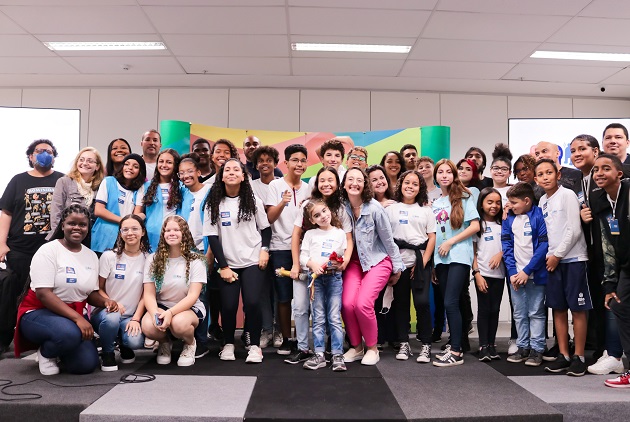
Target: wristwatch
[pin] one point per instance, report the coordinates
(475, 271)
(265, 248)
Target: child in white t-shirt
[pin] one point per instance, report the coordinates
(318, 246)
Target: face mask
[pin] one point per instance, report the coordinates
(44, 160)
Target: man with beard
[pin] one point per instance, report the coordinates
(151, 144)
(250, 144)
(24, 225)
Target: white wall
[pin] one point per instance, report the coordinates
(479, 120)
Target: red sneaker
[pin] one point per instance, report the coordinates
(622, 381)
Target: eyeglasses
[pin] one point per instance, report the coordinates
(86, 160)
(296, 160)
(39, 151)
(353, 180)
(357, 157)
(521, 170)
(500, 169)
(186, 173)
(126, 230)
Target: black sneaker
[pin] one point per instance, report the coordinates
(246, 338)
(484, 354)
(577, 367)
(561, 364)
(448, 359)
(127, 355)
(534, 359)
(216, 333)
(299, 356)
(328, 356)
(492, 351)
(521, 355)
(446, 346)
(108, 362)
(551, 354)
(285, 347)
(201, 350)
(436, 337)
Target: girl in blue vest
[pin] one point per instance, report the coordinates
(115, 199)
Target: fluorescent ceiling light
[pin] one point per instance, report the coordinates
(109, 45)
(574, 55)
(352, 48)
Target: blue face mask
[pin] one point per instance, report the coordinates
(44, 160)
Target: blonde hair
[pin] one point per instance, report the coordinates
(99, 173)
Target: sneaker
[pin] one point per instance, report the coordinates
(512, 347)
(353, 355)
(559, 365)
(446, 346)
(108, 362)
(577, 367)
(149, 344)
(425, 354)
(187, 356)
(418, 338)
(47, 366)
(521, 355)
(246, 338)
(436, 337)
(164, 353)
(227, 353)
(394, 345)
(328, 356)
(622, 381)
(265, 339)
(448, 359)
(315, 362)
(285, 348)
(127, 355)
(254, 355)
(380, 346)
(277, 339)
(338, 363)
(534, 359)
(446, 349)
(215, 333)
(551, 354)
(492, 351)
(484, 354)
(299, 356)
(371, 358)
(201, 350)
(606, 365)
(404, 352)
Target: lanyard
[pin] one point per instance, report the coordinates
(613, 204)
(586, 186)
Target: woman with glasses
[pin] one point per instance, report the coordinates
(120, 278)
(79, 186)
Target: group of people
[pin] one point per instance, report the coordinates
(162, 247)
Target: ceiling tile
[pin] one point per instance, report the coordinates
(7, 26)
(367, 4)
(559, 73)
(35, 65)
(211, 2)
(135, 65)
(236, 65)
(473, 51)
(607, 9)
(529, 7)
(23, 46)
(490, 27)
(621, 77)
(346, 67)
(218, 20)
(594, 31)
(454, 70)
(357, 22)
(228, 45)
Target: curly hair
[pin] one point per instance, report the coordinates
(99, 173)
(119, 245)
(334, 200)
(187, 249)
(31, 149)
(71, 209)
(456, 194)
(247, 200)
(527, 160)
(308, 210)
(367, 194)
(372, 169)
(174, 191)
(502, 153)
(422, 198)
(267, 150)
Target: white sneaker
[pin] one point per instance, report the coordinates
(606, 365)
(512, 347)
(47, 366)
(404, 352)
(149, 344)
(352, 355)
(277, 339)
(228, 352)
(187, 357)
(371, 358)
(425, 354)
(265, 339)
(254, 355)
(164, 353)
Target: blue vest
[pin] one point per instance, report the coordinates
(104, 233)
(155, 213)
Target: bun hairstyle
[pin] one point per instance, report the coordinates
(502, 153)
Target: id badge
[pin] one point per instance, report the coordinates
(614, 226)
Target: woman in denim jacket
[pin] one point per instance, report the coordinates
(375, 262)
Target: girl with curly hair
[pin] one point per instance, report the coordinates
(239, 235)
(173, 279)
(120, 278)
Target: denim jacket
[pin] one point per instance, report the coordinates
(373, 236)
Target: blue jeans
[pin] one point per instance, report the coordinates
(529, 315)
(327, 310)
(301, 307)
(112, 326)
(453, 278)
(613, 342)
(59, 337)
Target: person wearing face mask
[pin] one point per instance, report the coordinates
(24, 224)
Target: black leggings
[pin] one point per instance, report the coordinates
(402, 305)
(488, 307)
(250, 281)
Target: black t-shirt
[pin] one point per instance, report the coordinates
(256, 174)
(27, 198)
(571, 179)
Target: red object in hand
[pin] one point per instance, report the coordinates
(332, 258)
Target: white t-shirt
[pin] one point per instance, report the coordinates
(260, 189)
(318, 244)
(282, 229)
(241, 242)
(523, 243)
(342, 215)
(163, 189)
(564, 226)
(125, 197)
(150, 169)
(488, 245)
(503, 192)
(210, 181)
(411, 223)
(194, 221)
(71, 275)
(123, 278)
(175, 286)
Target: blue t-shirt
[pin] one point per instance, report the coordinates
(461, 252)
